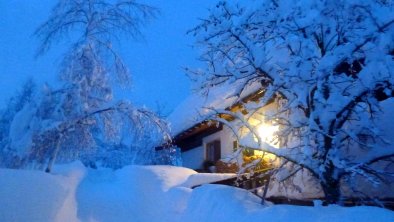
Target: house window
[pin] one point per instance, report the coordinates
(235, 145)
(213, 151)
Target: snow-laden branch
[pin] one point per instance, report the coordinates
(327, 66)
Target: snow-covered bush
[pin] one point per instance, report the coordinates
(327, 64)
(40, 134)
(168, 155)
(10, 133)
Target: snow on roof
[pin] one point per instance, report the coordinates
(193, 109)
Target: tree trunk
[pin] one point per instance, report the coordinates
(53, 157)
(331, 189)
(331, 185)
(267, 183)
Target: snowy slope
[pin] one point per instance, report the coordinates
(151, 193)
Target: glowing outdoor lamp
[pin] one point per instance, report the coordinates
(267, 134)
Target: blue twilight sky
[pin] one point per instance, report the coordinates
(155, 62)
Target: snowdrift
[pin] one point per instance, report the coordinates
(147, 193)
(38, 196)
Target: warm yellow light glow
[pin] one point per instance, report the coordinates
(267, 134)
(258, 153)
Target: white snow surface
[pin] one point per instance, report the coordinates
(203, 178)
(147, 193)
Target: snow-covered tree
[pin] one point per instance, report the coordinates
(91, 62)
(9, 141)
(71, 122)
(327, 64)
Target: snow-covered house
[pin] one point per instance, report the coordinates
(204, 142)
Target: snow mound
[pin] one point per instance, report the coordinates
(133, 193)
(222, 203)
(147, 193)
(38, 196)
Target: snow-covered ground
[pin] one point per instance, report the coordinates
(147, 193)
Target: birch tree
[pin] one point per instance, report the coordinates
(83, 112)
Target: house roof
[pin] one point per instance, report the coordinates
(194, 110)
